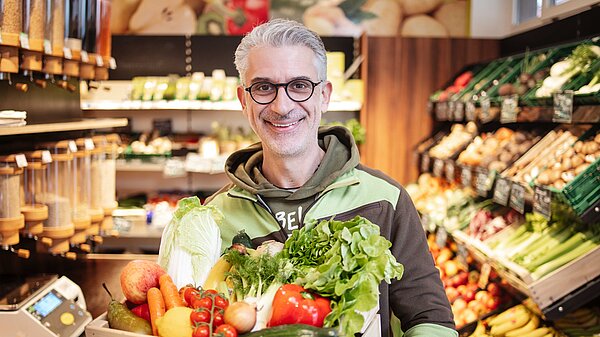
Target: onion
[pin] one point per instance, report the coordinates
(240, 315)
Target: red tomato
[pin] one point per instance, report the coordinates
(211, 291)
(221, 302)
(226, 330)
(218, 319)
(200, 316)
(201, 331)
(204, 302)
(189, 294)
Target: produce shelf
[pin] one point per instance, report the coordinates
(557, 293)
(84, 124)
(193, 105)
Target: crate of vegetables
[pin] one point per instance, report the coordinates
(253, 292)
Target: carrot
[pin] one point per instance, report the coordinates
(156, 306)
(169, 292)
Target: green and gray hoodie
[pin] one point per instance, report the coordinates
(344, 188)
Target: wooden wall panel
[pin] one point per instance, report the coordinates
(401, 74)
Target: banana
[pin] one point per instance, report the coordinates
(217, 274)
(516, 322)
(539, 332)
(533, 324)
(585, 322)
(479, 330)
(507, 315)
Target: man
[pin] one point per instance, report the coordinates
(300, 172)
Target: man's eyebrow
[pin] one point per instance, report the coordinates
(266, 79)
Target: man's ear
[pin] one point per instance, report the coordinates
(242, 97)
(326, 90)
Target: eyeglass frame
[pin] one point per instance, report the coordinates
(285, 86)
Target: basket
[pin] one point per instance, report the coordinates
(584, 191)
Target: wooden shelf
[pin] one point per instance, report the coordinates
(207, 166)
(192, 105)
(84, 124)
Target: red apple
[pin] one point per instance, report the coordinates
(462, 289)
(494, 289)
(493, 303)
(461, 278)
(137, 277)
(452, 294)
(469, 315)
(451, 268)
(482, 296)
(459, 305)
(469, 295)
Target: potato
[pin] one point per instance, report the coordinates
(423, 25)
(577, 160)
(454, 17)
(559, 184)
(389, 16)
(412, 7)
(597, 138)
(581, 168)
(578, 146)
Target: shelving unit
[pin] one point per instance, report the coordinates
(193, 105)
(84, 124)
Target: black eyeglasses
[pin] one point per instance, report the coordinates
(298, 90)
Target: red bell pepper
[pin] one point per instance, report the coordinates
(293, 304)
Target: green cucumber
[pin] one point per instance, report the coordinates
(295, 330)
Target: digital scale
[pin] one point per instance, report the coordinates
(42, 306)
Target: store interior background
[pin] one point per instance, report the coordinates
(399, 75)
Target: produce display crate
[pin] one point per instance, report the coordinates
(491, 81)
(547, 290)
(99, 328)
(583, 191)
(583, 79)
(477, 77)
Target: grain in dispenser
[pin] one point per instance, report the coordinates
(11, 219)
(35, 186)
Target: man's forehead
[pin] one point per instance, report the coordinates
(267, 62)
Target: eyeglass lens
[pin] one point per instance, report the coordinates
(297, 90)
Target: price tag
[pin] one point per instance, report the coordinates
(46, 157)
(466, 176)
(441, 236)
(450, 110)
(99, 61)
(21, 160)
(517, 198)
(425, 161)
(113, 63)
(47, 47)
(502, 191)
(72, 146)
(440, 111)
(542, 201)
(563, 107)
(485, 109)
(482, 182)
(484, 276)
(509, 111)
(88, 143)
(449, 170)
(67, 53)
(459, 111)
(470, 111)
(24, 39)
(85, 57)
(438, 167)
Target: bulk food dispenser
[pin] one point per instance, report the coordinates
(110, 146)
(11, 219)
(35, 188)
(32, 35)
(54, 37)
(11, 16)
(59, 176)
(82, 192)
(96, 176)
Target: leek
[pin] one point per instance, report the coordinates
(558, 262)
(565, 247)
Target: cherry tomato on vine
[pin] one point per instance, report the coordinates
(200, 316)
(218, 319)
(204, 302)
(226, 330)
(211, 291)
(221, 302)
(201, 331)
(189, 294)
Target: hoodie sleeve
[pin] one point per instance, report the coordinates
(419, 296)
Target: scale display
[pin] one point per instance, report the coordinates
(46, 304)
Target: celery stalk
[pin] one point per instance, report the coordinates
(542, 246)
(572, 243)
(554, 264)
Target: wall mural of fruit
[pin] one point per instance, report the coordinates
(410, 18)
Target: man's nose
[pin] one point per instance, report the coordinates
(282, 103)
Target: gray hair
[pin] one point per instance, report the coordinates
(279, 33)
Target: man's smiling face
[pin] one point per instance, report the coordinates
(285, 127)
